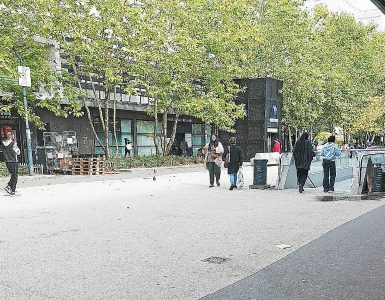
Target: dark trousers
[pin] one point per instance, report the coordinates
(214, 170)
(12, 168)
(302, 176)
(127, 152)
(329, 174)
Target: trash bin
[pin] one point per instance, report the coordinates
(378, 178)
(260, 172)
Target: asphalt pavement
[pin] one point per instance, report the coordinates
(345, 263)
(139, 238)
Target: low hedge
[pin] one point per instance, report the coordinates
(131, 162)
(154, 161)
(4, 170)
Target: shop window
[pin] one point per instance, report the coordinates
(145, 133)
(198, 137)
(123, 130)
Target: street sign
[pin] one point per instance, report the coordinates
(24, 76)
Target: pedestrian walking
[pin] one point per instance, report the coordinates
(10, 153)
(233, 155)
(184, 148)
(175, 149)
(303, 156)
(277, 146)
(128, 147)
(213, 159)
(329, 154)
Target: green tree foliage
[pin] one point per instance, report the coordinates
(331, 65)
(184, 69)
(97, 40)
(185, 55)
(17, 35)
(348, 69)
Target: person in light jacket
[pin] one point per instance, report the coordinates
(235, 162)
(303, 156)
(329, 153)
(10, 153)
(213, 152)
(127, 147)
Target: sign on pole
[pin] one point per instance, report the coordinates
(24, 76)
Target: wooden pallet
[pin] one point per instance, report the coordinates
(88, 166)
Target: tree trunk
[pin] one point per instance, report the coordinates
(290, 142)
(173, 133)
(107, 121)
(89, 117)
(115, 137)
(156, 127)
(97, 99)
(92, 126)
(164, 137)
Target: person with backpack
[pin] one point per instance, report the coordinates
(303, 156)
(233, 162)
(10, 153)
(329, 153)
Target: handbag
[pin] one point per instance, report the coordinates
(240, 180)
(227, 159)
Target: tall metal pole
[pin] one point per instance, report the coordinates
(28, 134)
(27, 130)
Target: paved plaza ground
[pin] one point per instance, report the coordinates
(130, 237)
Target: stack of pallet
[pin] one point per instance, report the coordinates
(88, 166)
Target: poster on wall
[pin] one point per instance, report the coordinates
(274, 111)
(274, 116)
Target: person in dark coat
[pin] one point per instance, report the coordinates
(10, 153)
(303, 156)
(235, 163)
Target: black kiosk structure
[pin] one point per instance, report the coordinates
(262, 98)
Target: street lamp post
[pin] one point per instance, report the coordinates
(27, 130)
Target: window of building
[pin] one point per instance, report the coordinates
(145, 134)
(123, 130)
(198, 137)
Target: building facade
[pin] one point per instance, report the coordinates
(261, 97)
(135, 125)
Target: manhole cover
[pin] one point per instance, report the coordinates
(215, 260)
